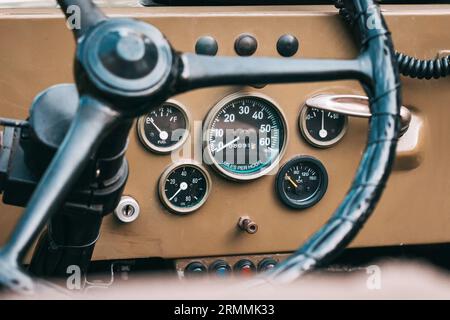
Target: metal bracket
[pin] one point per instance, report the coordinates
(354, 106)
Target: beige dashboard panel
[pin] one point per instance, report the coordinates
(36, 51)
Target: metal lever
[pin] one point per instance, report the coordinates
(354, 106)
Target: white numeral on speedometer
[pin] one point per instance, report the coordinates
(244, 110)
(229, 118)
(265, 128)
(258, 115)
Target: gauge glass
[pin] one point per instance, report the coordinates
(302, 182)
(245, 135)
(164, 128)
(184, 187)
(322, 128)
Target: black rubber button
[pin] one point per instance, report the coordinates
(245, 45)
(195, 269)
(287, 45)
(206, 45)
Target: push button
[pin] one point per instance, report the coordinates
(287, 45)
(244, 268)
(245, 45)
(266, 264)
(220, 269)
(206, 45)
(195, 269)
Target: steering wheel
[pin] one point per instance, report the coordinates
(124, 66)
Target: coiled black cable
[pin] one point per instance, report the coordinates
(422, 69)
(408, 66)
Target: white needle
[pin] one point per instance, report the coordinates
(163, 135)
(183, 186)
(228, 144)
(323, 133)
(154, 124)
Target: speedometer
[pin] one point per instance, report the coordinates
(245, 136)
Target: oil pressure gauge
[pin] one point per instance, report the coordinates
(164, 128)
(184, 187)
(301, 182)
(322, 128)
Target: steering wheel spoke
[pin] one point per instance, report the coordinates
(204, 71)
(93, 121)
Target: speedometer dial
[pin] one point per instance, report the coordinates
(245, 135)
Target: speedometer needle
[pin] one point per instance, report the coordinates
(288, 178)
(228, 144)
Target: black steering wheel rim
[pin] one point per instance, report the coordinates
(378, 157)
(105, 109)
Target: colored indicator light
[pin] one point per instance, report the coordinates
(222, 272)
(246, 271)
(220, 268)
(244, 268)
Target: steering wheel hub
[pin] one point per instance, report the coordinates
(126, 57)
(132, 48)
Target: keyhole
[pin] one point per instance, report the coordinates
(128, 210)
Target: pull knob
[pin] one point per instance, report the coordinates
(248, 225)
(354, 106)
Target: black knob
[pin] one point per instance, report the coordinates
(245, 45)
(206, 45)
(287, 45)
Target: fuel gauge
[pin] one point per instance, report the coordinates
(164, 128)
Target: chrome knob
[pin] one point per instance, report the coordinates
(354, 106)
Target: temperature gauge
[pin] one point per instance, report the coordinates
(302, 182)
(164, 128)
(322, 128)
(184, 187)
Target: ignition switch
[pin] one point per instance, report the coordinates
(127, 210)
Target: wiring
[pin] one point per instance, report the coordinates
(408, 65)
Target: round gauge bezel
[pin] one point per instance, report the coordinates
(313, 141)
(207, 126)
(162, 181)
(313, 199)
(164, 150)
